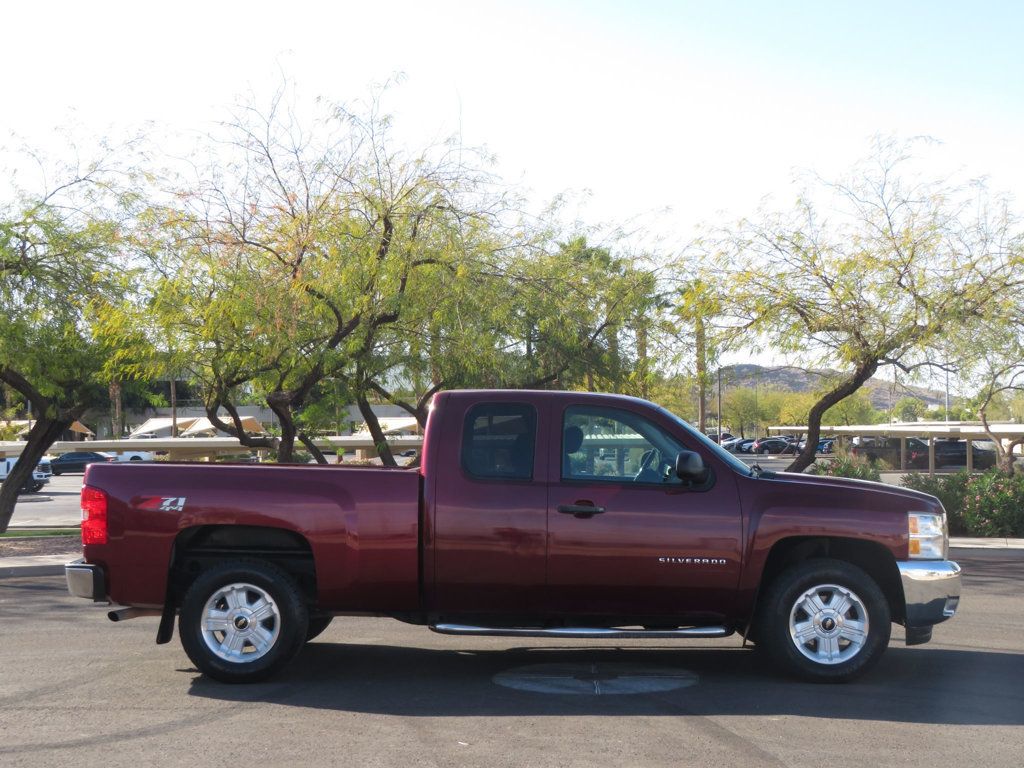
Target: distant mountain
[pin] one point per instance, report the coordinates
(880, 392)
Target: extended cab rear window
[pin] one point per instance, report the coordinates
(498, 441)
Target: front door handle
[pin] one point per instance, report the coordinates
(582, 511)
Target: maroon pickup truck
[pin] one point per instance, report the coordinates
(532, 514)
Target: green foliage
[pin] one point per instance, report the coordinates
(951, 490)
(989, 504)
(878, 274)
(847, 465)
(854, 409)
(994, 505)
(66, 269)
(909, 409)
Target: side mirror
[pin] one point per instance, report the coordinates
(690, 466)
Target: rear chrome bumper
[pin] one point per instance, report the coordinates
(85, 580)
(931, 589)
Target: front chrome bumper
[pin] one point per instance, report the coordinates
(931, 589)
(85, 580)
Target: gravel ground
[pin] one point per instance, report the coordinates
(39, 545)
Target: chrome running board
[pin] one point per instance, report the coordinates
(594, 633)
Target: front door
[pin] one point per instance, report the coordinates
(627, 538)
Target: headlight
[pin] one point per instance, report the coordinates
(929, 539)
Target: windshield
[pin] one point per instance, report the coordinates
(715, 448)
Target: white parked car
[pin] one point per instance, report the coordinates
(40, 475)
(130, 455)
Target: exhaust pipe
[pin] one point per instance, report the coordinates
(123, 614)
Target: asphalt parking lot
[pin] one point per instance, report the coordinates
(56, 505)
(77, 689)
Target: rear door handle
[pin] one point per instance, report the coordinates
(580, 510)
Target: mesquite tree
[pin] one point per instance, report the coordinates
(63, 264)
(875, 275)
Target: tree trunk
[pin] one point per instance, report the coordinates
(612, 335)
(702, 374)
(280, 404)
(641, 354)
(116, 416)
(235, 427)
(174, 407)
(42, 435)
(1007, 461)
(307, 441)
(1004, 455)
(372, 424)
(841, 391)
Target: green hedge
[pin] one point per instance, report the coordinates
(989, 504)
(847, 465)
(949, 489)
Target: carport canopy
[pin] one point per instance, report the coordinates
(928, 431)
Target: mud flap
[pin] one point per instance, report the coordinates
(166, 629)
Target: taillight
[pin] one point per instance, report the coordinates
(94, 515)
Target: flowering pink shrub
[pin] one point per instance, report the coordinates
(994, 505)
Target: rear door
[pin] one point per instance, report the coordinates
(626, 538)
(486, 530)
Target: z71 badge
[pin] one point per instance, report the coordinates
(163, 503)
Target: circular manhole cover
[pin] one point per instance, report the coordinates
(595, 679)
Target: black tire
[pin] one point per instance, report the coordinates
(317, 624)
(35, 488)
(250, 648)
(828, 655)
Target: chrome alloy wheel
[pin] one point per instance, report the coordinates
(828, 624)
(240, 623)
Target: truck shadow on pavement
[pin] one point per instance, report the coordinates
(911, 685)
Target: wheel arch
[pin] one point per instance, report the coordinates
(876, 560)
(197, 548)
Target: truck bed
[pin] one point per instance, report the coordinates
(360, 524)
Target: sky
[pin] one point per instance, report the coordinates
(667, 113)
(658, 115)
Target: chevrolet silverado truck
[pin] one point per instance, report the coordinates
(531, 514)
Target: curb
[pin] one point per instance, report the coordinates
(35, 565)
(17, 571)
(958, 542)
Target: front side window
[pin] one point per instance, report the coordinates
(498, 441)
(608, 444)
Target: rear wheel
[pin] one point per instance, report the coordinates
(825, 621)
(242, 621)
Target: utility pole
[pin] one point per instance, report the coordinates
(947, 391)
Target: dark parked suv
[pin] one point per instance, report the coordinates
(886, 450)
(953, 453)
(948, 453)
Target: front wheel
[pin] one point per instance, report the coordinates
(242, 621)
(824, 620)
